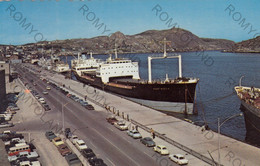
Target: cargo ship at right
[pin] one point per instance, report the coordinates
(250, 106)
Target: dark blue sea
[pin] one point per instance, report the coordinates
(218, 73)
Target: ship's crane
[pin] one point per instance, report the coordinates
(164, 56)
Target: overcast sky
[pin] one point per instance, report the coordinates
(26, 21)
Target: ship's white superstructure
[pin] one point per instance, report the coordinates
(117, 68)
(82, 64)
(45, 63)
(58, 65)
(61, 67)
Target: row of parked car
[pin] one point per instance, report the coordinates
(84, 149)
(147, 141)
(8, 112)
(64, 150)
(73, 97)
(41, 100)
(20, 153)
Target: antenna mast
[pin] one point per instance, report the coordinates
(164, 46)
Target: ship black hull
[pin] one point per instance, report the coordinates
(252, 122)
(176, 93)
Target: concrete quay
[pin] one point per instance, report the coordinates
(232, 152)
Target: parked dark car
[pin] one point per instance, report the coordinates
(64, 150)
(90, 156)
(73, 160)
(46, 107)
(148, 141)
(12, 104)
(31, 145)
(50, 135)
(88, 153)
(6, 133)
(111, 120)
(11, 136)
(21, 159)
(58, 88)
(97, 162)
(67, 132)
(89, 107)
(72, 96)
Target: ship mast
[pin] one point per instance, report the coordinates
(78, 57)
(164, 56)
(91, 55)
(115, 52)
(164, 46)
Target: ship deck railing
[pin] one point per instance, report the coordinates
(160, 81)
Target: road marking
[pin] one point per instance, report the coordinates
(147, 154)
(93, 144)
(127, 140)
(111, 162)
(110, 129)
(115, 146)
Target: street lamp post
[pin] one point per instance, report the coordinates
(219, 125)
(240, 80)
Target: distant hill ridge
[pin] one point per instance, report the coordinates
(146, 42)
(251, 45)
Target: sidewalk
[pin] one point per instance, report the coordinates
(232, 152)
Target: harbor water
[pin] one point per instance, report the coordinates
(218, 73)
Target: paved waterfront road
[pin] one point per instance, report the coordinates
(110, 144)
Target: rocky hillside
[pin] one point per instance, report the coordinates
(148, 41)
(251, 45)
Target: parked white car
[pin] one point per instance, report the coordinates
(42, 100)
(5, 124)
(121, 125)
(7, 117)
(80, 145)
(14, 140)
(73, 139)
(9, 112)
(134, 133)
(29, 155)
(178, 158)
(14, 108)
(30, 163)
(161, 149)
